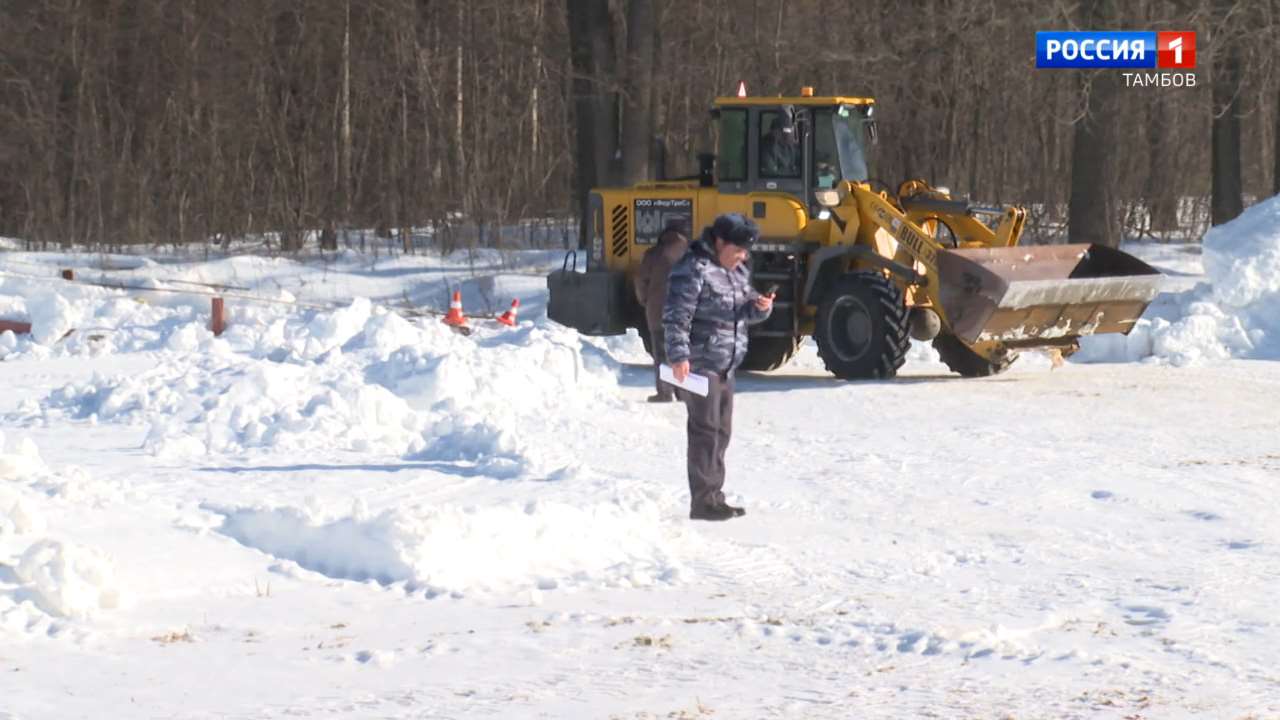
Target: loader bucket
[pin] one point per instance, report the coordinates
(1043, 295)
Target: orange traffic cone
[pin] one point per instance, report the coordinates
(509, 317)
(455, 316)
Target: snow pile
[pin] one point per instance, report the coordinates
(73, 319)
(1243, 256)
(520, 372)
(52, 316)
(1237, 314)
(1242, 260)
(1206, 332)
(8, 344)
(496, 548)
(61, 579)
(217, 405)
(284, 407)
(19, 459)
(329, 330)
(52, 313)
(482, 397)
(17, 516)
(1200, 330)
(359, 378)
(69, 580)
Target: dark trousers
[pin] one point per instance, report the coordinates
(710, 426)
(658, 341)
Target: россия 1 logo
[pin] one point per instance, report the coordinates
(1122, 49)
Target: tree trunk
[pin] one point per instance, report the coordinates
(595, 121)
(346, 116)
(637, 124)
(537, 80)
(1228, 191)
(459, 98)
(1091, 209)
(1091, 216)
(1161, 197)
(1275, 148)
(329, 238)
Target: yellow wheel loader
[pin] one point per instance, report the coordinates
(861, 267)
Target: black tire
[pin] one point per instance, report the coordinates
(770, 353)
(961, 359)
(862, 327)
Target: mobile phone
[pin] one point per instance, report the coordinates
(773, 289)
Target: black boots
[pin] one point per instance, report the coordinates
(716, 511)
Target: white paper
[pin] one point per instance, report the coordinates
(694, 383)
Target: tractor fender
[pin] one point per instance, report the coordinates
(828, 264)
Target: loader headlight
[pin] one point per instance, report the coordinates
(827, 198)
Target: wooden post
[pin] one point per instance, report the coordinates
(68, 275)
(219, 322)
(18, 328)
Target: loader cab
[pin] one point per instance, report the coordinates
(771, 144)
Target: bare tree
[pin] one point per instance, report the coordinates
(1092, 210)
(1228, 187)
(181, 121)
(637, 123)
(592, 43)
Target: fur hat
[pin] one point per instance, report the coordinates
(737, 229)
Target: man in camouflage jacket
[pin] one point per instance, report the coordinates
(710, 303)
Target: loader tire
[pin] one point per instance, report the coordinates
(770, 353)
(965, 361)
(862, 327)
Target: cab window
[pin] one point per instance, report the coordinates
(733, 145)
(778, 146)
(826, 158)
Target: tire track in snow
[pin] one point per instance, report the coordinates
(738, 564)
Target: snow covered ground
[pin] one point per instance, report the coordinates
(333, 510)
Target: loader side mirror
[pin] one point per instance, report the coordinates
(787, 116)
(800, 119)
(706, 169)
